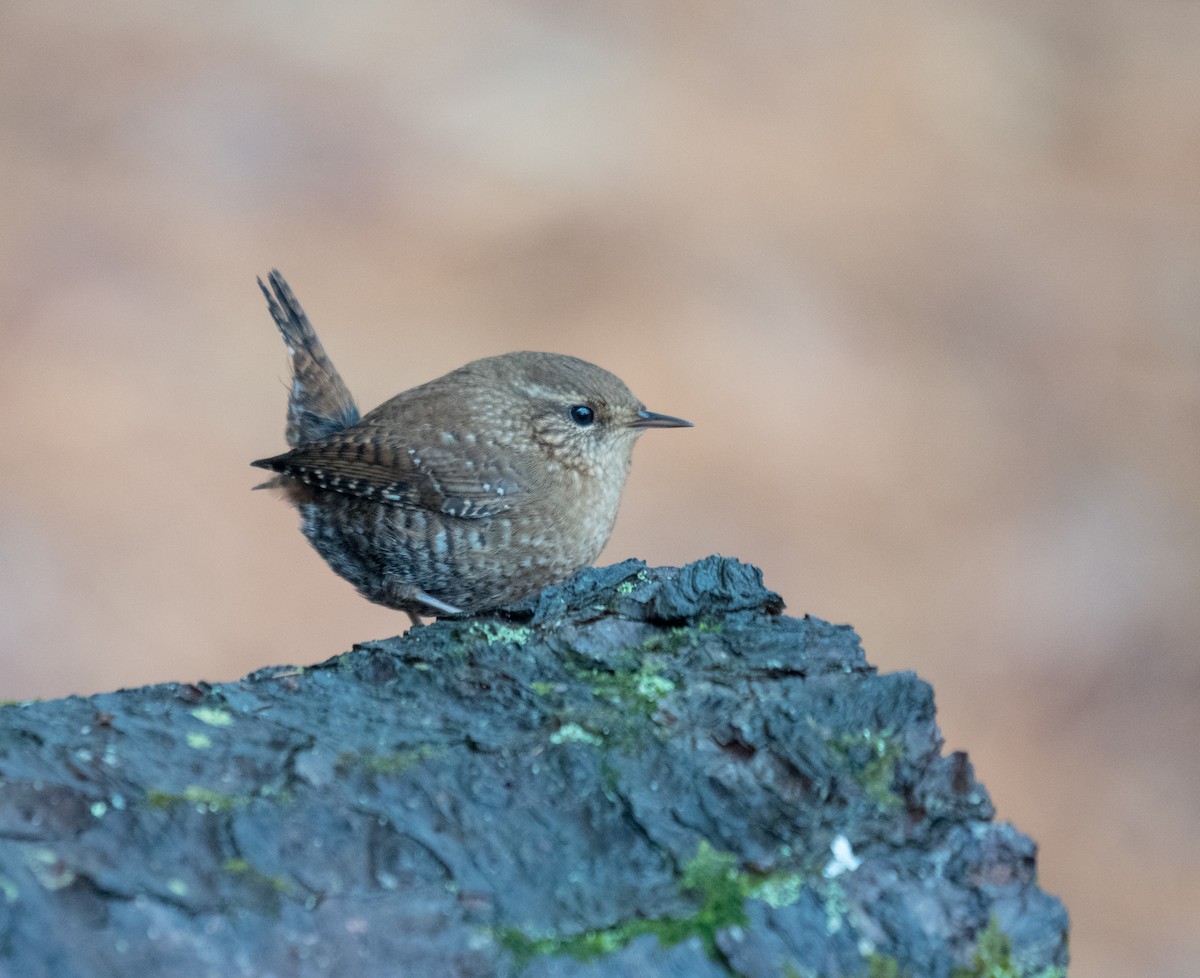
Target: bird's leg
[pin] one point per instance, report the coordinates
(431, 602)
(405, 596)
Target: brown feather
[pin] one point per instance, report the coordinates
(467, 492)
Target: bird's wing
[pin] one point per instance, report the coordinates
(363, 461)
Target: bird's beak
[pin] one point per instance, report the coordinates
(648, 419)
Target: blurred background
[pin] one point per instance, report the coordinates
(926, 277)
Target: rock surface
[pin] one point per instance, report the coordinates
(641, 772)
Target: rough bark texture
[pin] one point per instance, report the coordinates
(642, 772)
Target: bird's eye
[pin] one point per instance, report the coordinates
(582, 415)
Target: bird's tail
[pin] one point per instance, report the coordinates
(319, 402)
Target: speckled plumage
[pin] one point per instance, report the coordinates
(465, 493)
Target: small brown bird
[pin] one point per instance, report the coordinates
(465, 493)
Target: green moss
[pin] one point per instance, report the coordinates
(628, 692)
(265, 893)
(206, 800)
(630, 585)
(201, 798)
(993, 958)
(715, 876)
(583, 947)
(251, 874)
(574, 733)
(669, 641)
(650, 686)
(492, 632)
(779, 890)
(624, 700)
(836, 906)
(883, 966)
(214, 718)
(639, 689)
(389, 763)
(711, 878)
(870, 759)
(625, 694)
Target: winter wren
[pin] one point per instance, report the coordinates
(466, 493)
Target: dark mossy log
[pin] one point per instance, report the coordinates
(641, 772)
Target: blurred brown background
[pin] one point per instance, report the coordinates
(927, 279)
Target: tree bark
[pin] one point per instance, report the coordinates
(640, 772)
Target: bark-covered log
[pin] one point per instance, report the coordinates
(641, 772)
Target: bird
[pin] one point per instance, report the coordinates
(463, 494)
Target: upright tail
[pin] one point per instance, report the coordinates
(319, 403)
